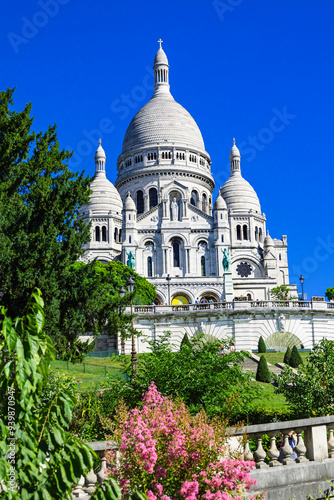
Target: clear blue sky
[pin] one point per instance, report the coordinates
(235, 65)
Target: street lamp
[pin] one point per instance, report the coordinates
(168, 284)
(130, 284)
(301, 279)
(122, 292)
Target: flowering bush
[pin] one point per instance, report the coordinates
(169, 454)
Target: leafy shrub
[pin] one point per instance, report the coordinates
(185, 341)
(287, 356)
(263, 373)
(174, 455)
(261, 346)
(310, 393)
(295, 359)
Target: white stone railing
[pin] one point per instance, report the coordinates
(236, 305)
(315, 443)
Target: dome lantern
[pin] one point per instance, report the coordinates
(235, 159)
(161, 71)
(100, 159)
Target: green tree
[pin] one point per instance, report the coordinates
(287, 356)
(330, 293)
(185, 341)
(41, 233)
(310, 393)
(263, 373)
(261, 345)
(91, 303)
(295, 358)
(199, 375)
(280, 292)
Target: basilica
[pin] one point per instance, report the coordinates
(160, 218)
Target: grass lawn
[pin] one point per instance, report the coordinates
(277, 357)
(268, 399)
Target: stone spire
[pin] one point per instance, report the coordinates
(161, 71)
(100, 160)
(235, 159)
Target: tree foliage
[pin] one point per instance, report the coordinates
(330, 293)
(280, 292)
(263, 373)
(287, 356)
(47, 459)
(41, 233)
(185, 341)
(295, 358)
(261, 345)
(311, 391)
(91, 303)
(199, 375)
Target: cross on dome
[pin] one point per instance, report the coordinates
(160, 41)
(100, 142)
(233, 141)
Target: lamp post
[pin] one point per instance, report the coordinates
(130, 285)
(168, 284)
(122, 292)
(301, 279)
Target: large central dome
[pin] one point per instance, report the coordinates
(162, 121)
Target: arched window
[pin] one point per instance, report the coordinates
(149, 267)
(238, 232)
(97, 233)
(203, 269)
(194, 198)
(120, 236)
(249, 297)
(140, 202)
(260, 234)
(129, 239)
(153, 196)
(222, 238)
(176, 253)
(204, 202)
(104, 233)
(116, 235)
(256, 233)
(245, 232)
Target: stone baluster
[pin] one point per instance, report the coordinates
(78, 489)
(300, 448)
(330, 442)
(273, 452)
(101, 475)
(248, 455)
(259, 453)
(287, 450)
(90, 482)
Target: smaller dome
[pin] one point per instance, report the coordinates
(129, 204)
(105, 198)
(234, 151)
(160, 57)
(268, 241)
(219, 203)
(100, 153)
(239, 194)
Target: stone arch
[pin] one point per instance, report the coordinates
(280, 341)
(178, 294)
(210, 295)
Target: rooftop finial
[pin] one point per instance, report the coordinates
(100, 142)
(160, 41)
(233, 141)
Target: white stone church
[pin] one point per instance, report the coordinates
(160, 218)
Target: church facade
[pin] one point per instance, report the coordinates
(161, 220)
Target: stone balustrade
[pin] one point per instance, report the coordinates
(236, 305)
(314, 462)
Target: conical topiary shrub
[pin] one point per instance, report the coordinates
(295, 359)
(261, 345)
(263, 373)
(185, 341)
(287, 356)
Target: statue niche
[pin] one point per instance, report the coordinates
(174, 207)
